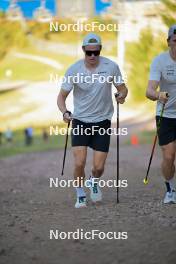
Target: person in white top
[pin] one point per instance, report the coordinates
(163, 75)
(91, 80)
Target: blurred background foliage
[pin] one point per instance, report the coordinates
(15, 35)
(11, 35)
(169, 14)
(34, 39)
(140, 55)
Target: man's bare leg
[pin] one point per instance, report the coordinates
(168, 170)
(168, 167)
(80, 155)
(99, 159)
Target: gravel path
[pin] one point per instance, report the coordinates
(30, 209)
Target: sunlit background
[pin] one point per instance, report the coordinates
(30, 53)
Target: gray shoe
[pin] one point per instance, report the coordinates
(174, 196)
(81, 202)
(95, 192)
(170, 197)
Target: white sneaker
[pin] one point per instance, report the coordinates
(80, 202)
(174, 196)
(95, 192)
(168, 199)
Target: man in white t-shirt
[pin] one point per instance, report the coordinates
(91, 80)
(163, 74)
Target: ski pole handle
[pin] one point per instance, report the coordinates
(163, 97)
(164, 94)
(117, 94)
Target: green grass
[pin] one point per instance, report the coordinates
(18, 145)
(25, 69)
(145, 137)
(62, 58)
(54, 142)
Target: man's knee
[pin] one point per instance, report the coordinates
(98, 170)
(169, 158)
(80, 164)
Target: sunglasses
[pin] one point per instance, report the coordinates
(94, 52)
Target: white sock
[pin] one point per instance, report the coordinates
(91, 177)
(93, 180)
(172, 183)
(80, 192)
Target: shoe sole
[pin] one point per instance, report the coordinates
(82, 206)
(171, 202)
(96, 202)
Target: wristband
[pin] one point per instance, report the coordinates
(119, 95)
(68, 112)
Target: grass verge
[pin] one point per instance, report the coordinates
(18, 145)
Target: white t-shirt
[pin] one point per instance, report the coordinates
(92, 91)
(163, 69)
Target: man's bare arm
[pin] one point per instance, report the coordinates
(122, 89)
(154, 95)
(62, 106)
(61, 100)
(152, 92)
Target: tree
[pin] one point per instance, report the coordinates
(11, 35)
(140, 56)
(168, 13)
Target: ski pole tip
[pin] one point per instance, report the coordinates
(145, 181)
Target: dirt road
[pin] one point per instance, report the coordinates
(30, 209)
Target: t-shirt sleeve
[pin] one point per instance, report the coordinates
(155, 70)
(117, 78)
(67, 81)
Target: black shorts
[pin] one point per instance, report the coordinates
(97, 140)
(167, 130)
